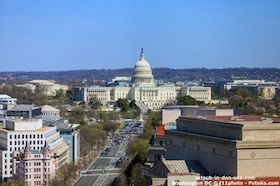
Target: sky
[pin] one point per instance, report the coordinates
(108, 34)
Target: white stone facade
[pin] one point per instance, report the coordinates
(21, 132)
(143, 88)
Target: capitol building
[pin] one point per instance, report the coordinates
(143, 89)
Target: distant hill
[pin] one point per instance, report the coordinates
(166, 74)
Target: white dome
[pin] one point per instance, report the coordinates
(142, 72)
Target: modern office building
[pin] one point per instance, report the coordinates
(227, 145)
(21, 132)
(69, 132)
(71, 135)
(27, 111)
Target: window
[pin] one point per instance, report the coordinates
(230, 154)
(214, 150)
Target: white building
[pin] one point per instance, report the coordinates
(7, 101)
(47, 110)
(48, 88)
(143, 88)
(20, 132)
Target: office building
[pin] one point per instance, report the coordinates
(35, 167)
(21, 132)
(227, 145)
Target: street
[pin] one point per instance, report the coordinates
(106, 167)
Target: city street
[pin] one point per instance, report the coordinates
(105, 168)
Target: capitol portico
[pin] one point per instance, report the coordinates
(142, 89)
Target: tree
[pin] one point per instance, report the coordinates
(188, 100)
(133, 105)
(123, 104)
(77, 115)
(94, 104)
(138, 147)
(109, 126)
(137, 177)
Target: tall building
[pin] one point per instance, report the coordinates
(20, 132)
(142, 88)
(36, 167)
(71, 135)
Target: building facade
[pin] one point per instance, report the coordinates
(227, 146)
(7, 102)
(142, 88)
(71, 135)
(47, 87)
(18, 133)
(36, 167)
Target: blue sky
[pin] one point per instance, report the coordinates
(108, 34)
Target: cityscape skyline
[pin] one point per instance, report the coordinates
(69, 35)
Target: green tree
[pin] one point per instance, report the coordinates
(123, 104)
(77, 115)
(133, 105)
(188, 100)
(138, 147)
(94, 104)
(109, 126)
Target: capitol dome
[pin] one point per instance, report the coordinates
(142, 72)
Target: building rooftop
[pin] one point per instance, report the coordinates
(176, 166)
(159, 131)
(24, 107)
(48, 108)
(242, 119)
(42, 82)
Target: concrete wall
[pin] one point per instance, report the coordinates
(258, 162)
(170, 115)
(224, 112)
(211, 128)
(221, 161)
(261, 132)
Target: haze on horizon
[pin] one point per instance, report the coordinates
(72, 35)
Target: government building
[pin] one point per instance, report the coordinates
(142, 88)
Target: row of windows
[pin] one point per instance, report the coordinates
(25, 136)
(37, 164)
(35, 183)
(20, 148)
(23, 142)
